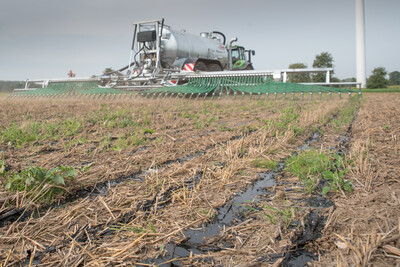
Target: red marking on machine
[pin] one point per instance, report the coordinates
(188, 67)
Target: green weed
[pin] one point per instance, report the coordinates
(346, 114)
(19, 135)
(308, 166)
(188, 115)
(2, 167)
(336, 182)
(148, 131)
(311, 166)
(40, 183)
(277, 216)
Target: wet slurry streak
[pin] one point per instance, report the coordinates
(344, 139)
(228, 215)
(231, 211)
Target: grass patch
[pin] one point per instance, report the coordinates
(19, 135)
(381, 90)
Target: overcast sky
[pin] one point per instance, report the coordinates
(46, 38)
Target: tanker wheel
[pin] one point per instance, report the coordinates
(214, 67)
(200, 66)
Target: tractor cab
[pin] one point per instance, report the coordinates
(241, 58)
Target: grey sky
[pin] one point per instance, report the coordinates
(46, 38)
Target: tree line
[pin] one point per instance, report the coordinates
(378, 78)
(8, 86)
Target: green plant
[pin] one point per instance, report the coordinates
(286, 214)
(40, 183)
(336, 182)
(346, 114)
(265, 163)
(2, 167)
(275, 215)
(308, 166)
(199, 125)
(311, 166)
(75, 141)
(126, 227)
(148, 131)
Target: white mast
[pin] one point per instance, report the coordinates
(360, 43)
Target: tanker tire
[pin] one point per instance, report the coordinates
(200, 66)
(214, 67)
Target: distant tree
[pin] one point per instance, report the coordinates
(108, 70)
(298, 77)
(378, 79)
(323, 60)
(394, 78)
(8, 86)
(352, 79)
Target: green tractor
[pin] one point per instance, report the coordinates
(241, 58)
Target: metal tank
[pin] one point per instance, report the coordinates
(180, 47)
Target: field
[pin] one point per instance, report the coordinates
(179, 182)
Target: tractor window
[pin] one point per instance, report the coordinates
(235, 54)
(243, 55)
(239, 54)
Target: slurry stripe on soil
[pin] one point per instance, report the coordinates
(231, 210)
(226, 214)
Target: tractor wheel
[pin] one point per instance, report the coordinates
(200, 66)
(249, 67)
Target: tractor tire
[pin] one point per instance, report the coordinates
(249, 67)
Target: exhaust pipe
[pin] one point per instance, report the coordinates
(230, 52)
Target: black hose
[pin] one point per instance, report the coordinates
(220, 33)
